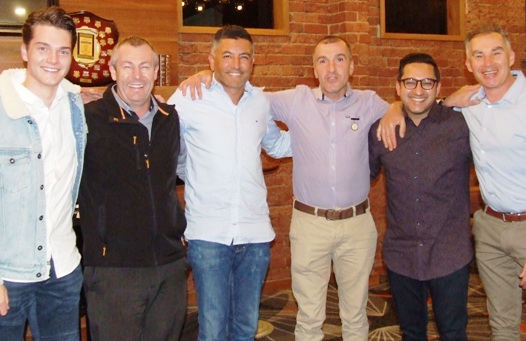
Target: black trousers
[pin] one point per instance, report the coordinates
(136, 303)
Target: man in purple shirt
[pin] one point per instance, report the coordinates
(331, 220)
(427, 246)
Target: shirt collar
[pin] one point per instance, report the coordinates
(512, 95)
(321, 97)
(152, 109)
(433, 114)
(215, 84)
(27, 96)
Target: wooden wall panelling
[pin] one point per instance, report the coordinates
(10, 53)
(155, 21)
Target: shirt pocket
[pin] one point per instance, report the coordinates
(14, 170)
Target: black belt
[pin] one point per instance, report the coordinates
(507, 217)
(333, 214)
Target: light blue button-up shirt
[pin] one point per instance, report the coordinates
(498, 143)
(225, 192)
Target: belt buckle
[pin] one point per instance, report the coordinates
(332, 214)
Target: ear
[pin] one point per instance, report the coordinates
(439, 86)
(156, 72)
(398, 88)
(23, 52)
(351, 68)
(211, 61)
(468, 65)
(113, 73)
(512, 57)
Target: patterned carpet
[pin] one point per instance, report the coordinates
(279, 310)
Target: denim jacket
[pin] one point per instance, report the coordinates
(23, 244)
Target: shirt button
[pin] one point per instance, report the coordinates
(39, 247)
(41, 186)
(30, 121)
(39, 275)
(39, 156)
(11, 160)
(41, 217)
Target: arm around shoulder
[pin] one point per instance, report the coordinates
(386, 131)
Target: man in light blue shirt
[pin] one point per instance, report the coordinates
(498, 141)
(229, 227)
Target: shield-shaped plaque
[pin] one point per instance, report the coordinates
(96, 38)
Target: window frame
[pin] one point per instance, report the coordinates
(14, 28)
(456, 23)
(281, 21)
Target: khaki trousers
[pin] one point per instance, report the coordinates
(351, 246)
(500, 249)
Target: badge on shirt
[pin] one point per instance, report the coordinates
(354, 125)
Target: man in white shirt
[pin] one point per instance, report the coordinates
(42, 138)
(229, 229)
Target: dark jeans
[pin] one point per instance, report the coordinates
(136, 303)
(449, 295)
(50, 306)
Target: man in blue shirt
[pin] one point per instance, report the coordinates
(497, 126)
(229, 230)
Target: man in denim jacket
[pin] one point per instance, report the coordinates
(42, 139)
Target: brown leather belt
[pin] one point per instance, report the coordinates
(507, 217)
(333, 214)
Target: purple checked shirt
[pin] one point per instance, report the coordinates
(428, 233)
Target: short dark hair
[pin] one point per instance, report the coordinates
(231, 32)
(417, 58)
(52, 16)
